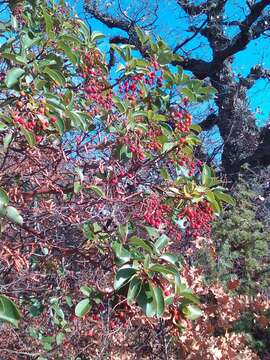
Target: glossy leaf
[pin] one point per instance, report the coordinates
(83, 307)
(123, 276)
(97, 190)
(159, 300)
(225, 197)
(135, 240)
(146, 300)
(192, 312)
(4, 199)
(9, 311)
(13, 76)
(13, 214)
(55, 75)
(133, 290)
(161, 242)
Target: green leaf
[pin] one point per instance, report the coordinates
(97, 190)
(163, 269)
(133, 290)
(168, 146)
(191, 312)
(211, 198)
(60, 125)
(86, 290)
(4, 199)
(206, 175)
(185, 292)
(196, 128)
(164, 173)
(7, 140)
(171, 258)
(60, 338)
(159, 300)
(161, 242)
(123, 276)
(48, 22)
(69, 53)
(152, 232)
(123, 231)
(135, 240)
(188, 93)
(121, 253)
(120, 104)
(96, 35)
(146, 300)
(13, 214)
(56, 76)
(30, 137)
(13, 76)
(9, 311)
(83, 307)
(225, 197)
(77, 187)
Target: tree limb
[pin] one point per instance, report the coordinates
(256, 72)
(192, 9)
(209, 122)
(247, 33)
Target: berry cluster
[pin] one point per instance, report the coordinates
(183, 120)
(130, 88)
(193, 166)
(197, 218)
(155, 212)
(36, 120)
(95, 85)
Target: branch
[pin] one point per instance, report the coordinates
(200, 68)
(261, 156)
(108, 20)
(257, 72)
(209, 122)
(183, 43)
(191, 9)
(247, 33)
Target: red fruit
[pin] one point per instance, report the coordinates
(182, 140)
(114, 181)
(20, 120)
(53, 119)
(95, 317)
(121, 315)
(167, 293)
(38, 138)
(112, 324)
(72, 318)
(90, 332)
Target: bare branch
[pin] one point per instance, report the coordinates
(209, 122)
(110, 21)
(196, 32)
(247, 33)
(257, 72)
(192, 9)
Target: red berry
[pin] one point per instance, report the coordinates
(53, 119)
(90, 332)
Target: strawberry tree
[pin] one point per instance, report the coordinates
(107, 152)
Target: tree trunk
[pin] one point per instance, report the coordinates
(237, 124)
